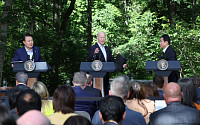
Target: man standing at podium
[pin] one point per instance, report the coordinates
(101, 52)
(168, 54)
(28, 51)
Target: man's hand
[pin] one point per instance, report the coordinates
(96, 50)
(124, 66)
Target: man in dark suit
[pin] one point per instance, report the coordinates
(101, 52)
(168, 54)
(120, 87)
(175, 113)
(28, 51)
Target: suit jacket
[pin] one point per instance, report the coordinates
(21, 54)
(110, 123)
(99, 56)
(131, 118)
(88, 106)
(93, 91)
(175, 114)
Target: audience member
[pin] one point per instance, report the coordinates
(151, 90)
(63, 104)
(21, 79)
(137, 101)
(33, 117)
(77, 120)
(196, 82)
(79, 82)
(112, 110)
(120, 87)
(41, 90)
(27, 100)
(6, 117)
(89, 88)
(189, 97)
(159, 82)
(175, 113)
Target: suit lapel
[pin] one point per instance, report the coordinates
(101, 57)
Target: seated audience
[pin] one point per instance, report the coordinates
(112, 110)
(21, 79)
(41, 90)
(27, 100)
(33, 117)
(137, 101)
(189, 97)
(151, 90)
(77, 120)
(6, 117)
(196, 82)
(79, 82)
(175, 113)
(120, 87)
(63, 105)
(159, 82)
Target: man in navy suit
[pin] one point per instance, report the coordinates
(168, 54)
(101, 52)
(175, 113)
(28, 51)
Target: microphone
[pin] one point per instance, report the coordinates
(160, 56)
(33, 57)
(28, 57)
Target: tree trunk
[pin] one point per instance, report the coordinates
(194, 14)
(172, 11)
(89, 28)
(3, 33)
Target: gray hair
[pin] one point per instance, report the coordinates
(22, 77)
(120, 86)
(101, 32)
(79, 78)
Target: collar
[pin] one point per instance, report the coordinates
(164, 50)
(21, 84)
(100, 45)
(112, 121)
(27, 49)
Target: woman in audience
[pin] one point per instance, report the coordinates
(189, 97)
(151, 90)
(137, 101)
(196, 82)
(41, 89)
(77, 120)
(63, 105)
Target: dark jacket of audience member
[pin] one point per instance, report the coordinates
(77, 120)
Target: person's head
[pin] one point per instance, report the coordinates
(6, 117)
(151, 90)
(195, 80)
(158, 81)
(164, 41)
(12, 95)
(101, 37)
(64, 99)
(28, 100)
(40, 89)
(79, 79)
(112, 108)
(89, 80)
(28, 41)
(77, 120)
(172, 92)
(137, 90)
(21, 77)
(189, 91)
(33, 117)
(120, 87)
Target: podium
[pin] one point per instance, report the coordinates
(98, 75)
(172, 66)
(33, 75)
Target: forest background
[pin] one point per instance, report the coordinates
(65, 29)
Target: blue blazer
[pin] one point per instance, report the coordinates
(175, 114)
(21, 54)
(93, 91)
(99, 56)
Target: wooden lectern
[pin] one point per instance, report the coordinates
(98, 75)
(33, 75)
(172, 66)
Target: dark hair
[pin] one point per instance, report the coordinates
(137, 90)
(27, 34)
(195, 80)
(28, 100)
(22, 77)
(12, 95)
(112, 108)
(64, 99)
(189, 92)
(166, 38)
(89, 79)
(77, 120)
(158, 81)
(6, 117)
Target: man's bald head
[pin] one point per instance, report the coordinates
(172, 92)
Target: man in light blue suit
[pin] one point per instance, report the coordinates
(120, 87)
(28, 51)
